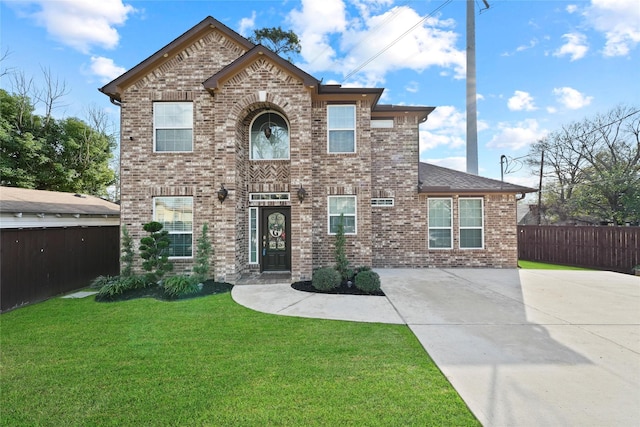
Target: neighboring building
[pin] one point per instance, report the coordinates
(54, 242)
(217, 130)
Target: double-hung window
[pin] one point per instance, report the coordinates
(440, 220)
(176, 216)
(341, 120)
(471, 223)
(342, 208)
(173, 126)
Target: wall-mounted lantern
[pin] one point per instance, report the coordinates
(302, 194)
(222, 193)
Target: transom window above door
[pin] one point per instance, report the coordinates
(269, 137)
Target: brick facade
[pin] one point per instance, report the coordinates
(246, 81)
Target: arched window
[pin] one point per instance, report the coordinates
(269, 137)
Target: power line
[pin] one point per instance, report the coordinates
(380, 52)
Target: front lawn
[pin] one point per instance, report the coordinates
(209, 361)
(532, 265)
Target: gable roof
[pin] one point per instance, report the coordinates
(438, 180)
(333, 92)
(23, 200)
(114, 88)
(214, 82)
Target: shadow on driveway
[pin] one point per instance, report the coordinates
(529, 347)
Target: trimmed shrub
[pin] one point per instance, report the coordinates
(154, 249)
(342, 263)
(127, 253)
(325, 279)
(368, 281)
(203, 253)
(178, 286)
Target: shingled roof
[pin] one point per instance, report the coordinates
(23, 200)
(438, 180)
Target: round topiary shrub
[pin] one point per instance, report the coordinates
(368, 281)
(325, 279)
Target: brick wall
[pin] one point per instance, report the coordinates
(385, 165)
(342, 174)
(400, 235)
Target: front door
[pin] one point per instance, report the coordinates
(276, 250)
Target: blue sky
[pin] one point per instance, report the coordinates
(540, 64)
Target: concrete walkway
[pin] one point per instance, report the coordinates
(521, 347)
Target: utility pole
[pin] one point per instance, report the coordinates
(539, 213)
(472, 115)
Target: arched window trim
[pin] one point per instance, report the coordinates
(274, 112)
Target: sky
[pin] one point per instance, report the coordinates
(541, 64)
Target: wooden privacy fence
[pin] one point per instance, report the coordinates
(606, 248)
(39, 263)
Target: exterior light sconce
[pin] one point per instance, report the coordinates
(302, 194)
(222, 193)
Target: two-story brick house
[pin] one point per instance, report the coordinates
(217, 130)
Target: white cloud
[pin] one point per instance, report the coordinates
(619, 21)
(571, 98)
(105, 69)
(576, 46)
(247, 24)
(515, 137)
(82, 24)
(572, 8)
(456, 163)
(521, 101)
(445, 126)
(413, 86)
(314, 23)
(532, 43)
(361, 40)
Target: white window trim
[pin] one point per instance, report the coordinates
(460, 227)
(355, 215)
(383, 202)
(429, 228)
(257, 228)
(355, 127)
(251, 142)
(175, 232)
(185, 127)
(258, 197)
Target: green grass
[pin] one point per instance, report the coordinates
(209, 361)
(531, 265)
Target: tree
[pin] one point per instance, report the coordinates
(47, 154)
(593, 168)
(277, 40)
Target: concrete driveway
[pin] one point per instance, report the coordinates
(529, 347)
(522, 347)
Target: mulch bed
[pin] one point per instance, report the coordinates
(343, 289)
(209, 288)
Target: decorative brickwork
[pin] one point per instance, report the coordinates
(385, 164)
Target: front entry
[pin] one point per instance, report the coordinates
(276, 239)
